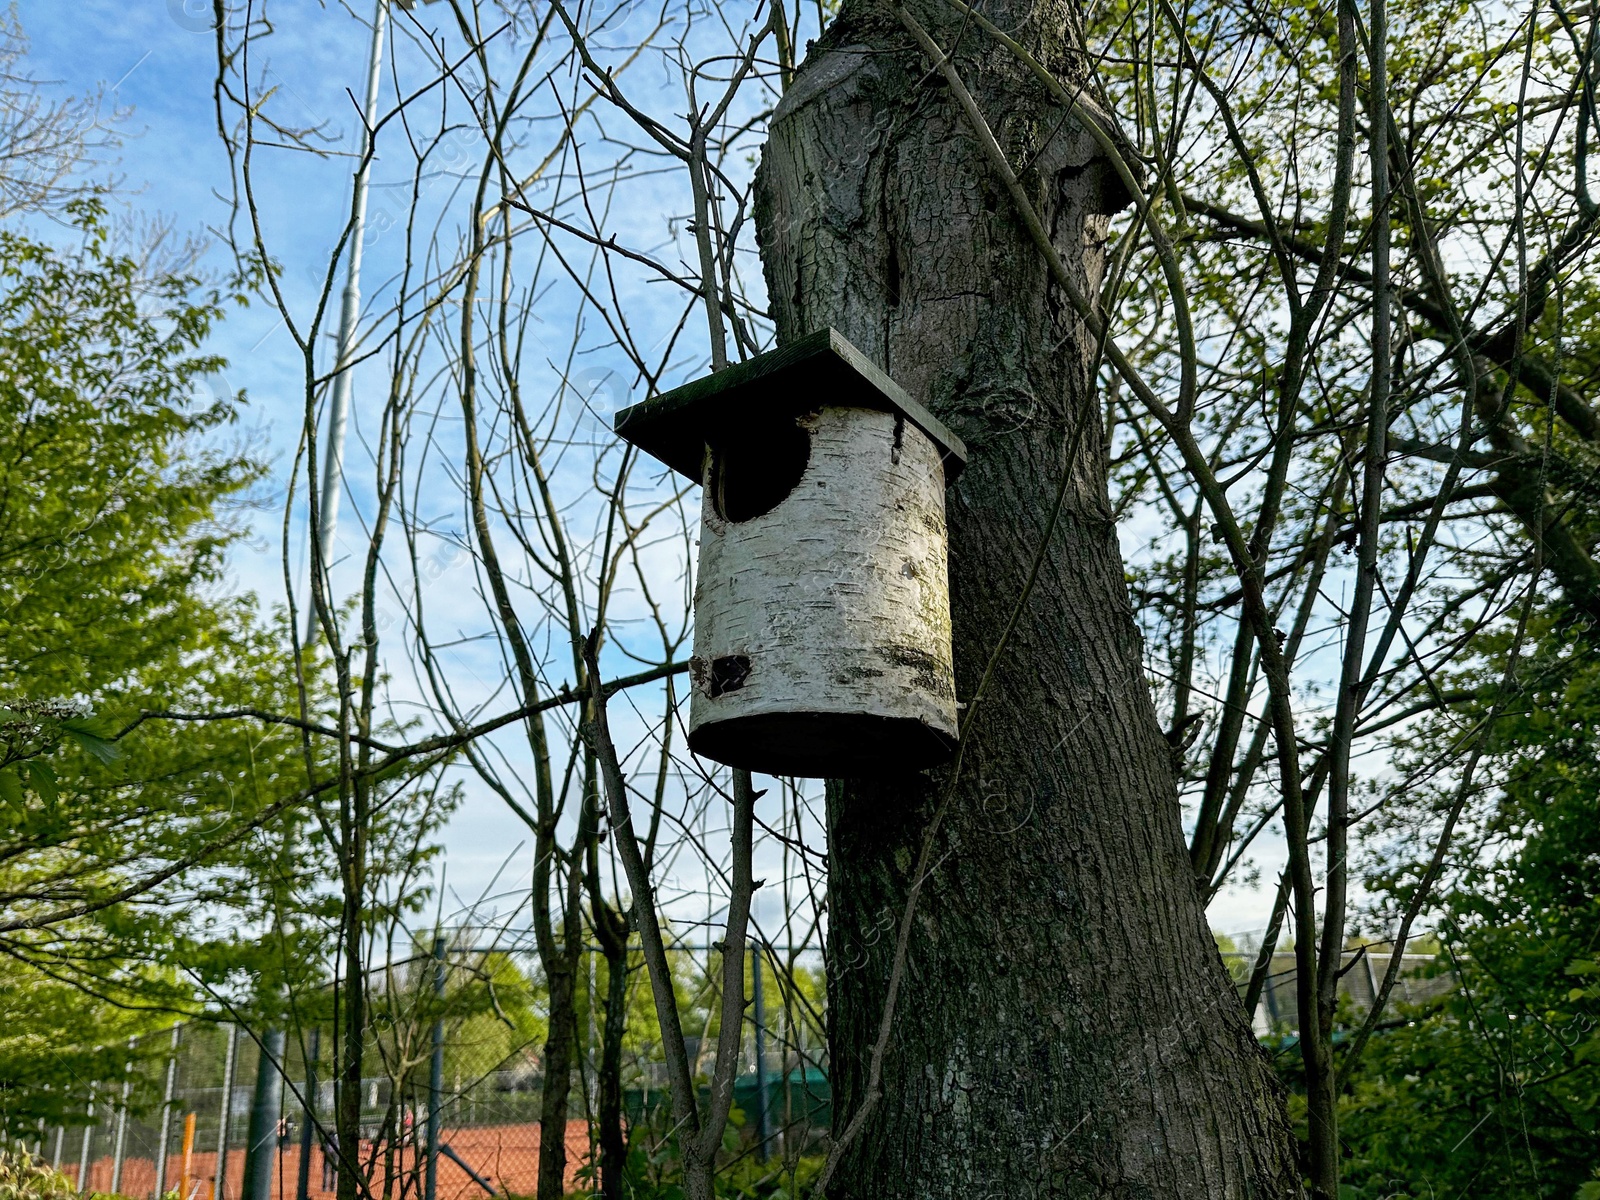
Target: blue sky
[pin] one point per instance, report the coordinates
(156, 58)
(157, 61)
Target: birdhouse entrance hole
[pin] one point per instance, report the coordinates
(753, 471)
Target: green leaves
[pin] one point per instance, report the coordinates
(43, 778)
(114, 521)
(1495, 1092)
(91, 740)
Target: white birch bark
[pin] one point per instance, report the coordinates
(822, 627)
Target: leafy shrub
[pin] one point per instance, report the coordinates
(23, 1177)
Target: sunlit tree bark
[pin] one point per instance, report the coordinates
(1063, 1026)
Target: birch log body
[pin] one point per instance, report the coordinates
(822, 627)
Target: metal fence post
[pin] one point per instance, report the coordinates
(302, 1187)
(762, 1122)
(166, 1117)
(264, 1113)
(435, 1075)
(122, 1124)
(219, 1181)
(61, 1136)
(83, 1162)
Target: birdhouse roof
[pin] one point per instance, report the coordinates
(820, 370)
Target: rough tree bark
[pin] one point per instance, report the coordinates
(611, 930)
(561, 972)
(1065, 1025)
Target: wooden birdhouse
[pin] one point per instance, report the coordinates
(822, 597)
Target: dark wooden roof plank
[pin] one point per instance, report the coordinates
(818, 370)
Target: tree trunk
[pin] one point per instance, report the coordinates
(1065, 1024)
(352, 1183)
(612, 930)
(560, 1041)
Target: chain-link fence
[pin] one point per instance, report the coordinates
(461, 1036)
(180, 1111)
(1422, 977)
(181, 1118)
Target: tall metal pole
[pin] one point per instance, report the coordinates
(121, 1143)
(166, 1115)
(762, 1124)
(219, 1182)
(349, 313)
(435, 1075)
(264, 1112)
(83, 1163)
(302, 1187)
